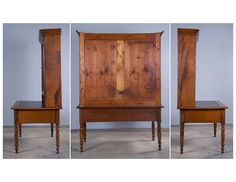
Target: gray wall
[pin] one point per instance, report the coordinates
(119, 28)
(214, 73)
(21, 66)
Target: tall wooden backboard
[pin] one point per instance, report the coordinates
(120, 69)
(186, 67)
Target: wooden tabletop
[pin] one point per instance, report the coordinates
(30, 105)
(208, 105)
(118, 107)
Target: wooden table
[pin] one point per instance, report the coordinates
(120, 79)
(34, 112)
(204, 112)
(109, 114)
(192, 111)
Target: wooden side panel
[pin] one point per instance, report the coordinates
(186, 68)
(140, 73)
(121, 71)
(157, 65)
(82, 71)
(202, 116)
(100, 72)
(91, 115)
(36, 116)
(51, 47)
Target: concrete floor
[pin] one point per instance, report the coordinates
(120, 143)
(36, 142)
(199, 142)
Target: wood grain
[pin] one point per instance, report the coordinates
(51, 67)
(120, 71)
(47, 110)
(192, 111)
(120, 79)
(105, 36)
(186, 68)
(101, 115)
(120, 59)
(81, 67)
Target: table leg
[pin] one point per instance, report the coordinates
(222, 131)
(16, 131)
(181, 137)
(215, 127)
(52, 125)
(81, 136)
(57, 112)
(153, 130)
(181, 133)
(159, 134)
(85, 132)
(222, 137)
(20, 129)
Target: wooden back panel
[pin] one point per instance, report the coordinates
(120, 69)
(51, 67)
(186, 67)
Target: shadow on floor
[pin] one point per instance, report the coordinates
(199, 142)
(35, 143)
(124, 144)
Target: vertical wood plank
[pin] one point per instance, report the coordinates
(100, 70)
(131, 64)
(105, 53)
(152, 90)
(82, 68)
(142, 69)
(158, 68)
(120, 78)
(51, 63)
(90, 74)
(113, 72)
(186, 67)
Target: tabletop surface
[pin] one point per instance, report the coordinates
(208, 105)
(26, 105)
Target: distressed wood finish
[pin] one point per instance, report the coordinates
(51, 67)
(101, 115)
(119, 79)
(186, 67)
(47, 110)
(192, 111)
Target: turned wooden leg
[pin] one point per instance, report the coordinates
(215, 127)
(222, 130)
(20, 129)
(159, 134)
(81, 136)
(57, 112)
(181, 132)
(16, 131)
(153, 130)
(85, 132)
(222, 137)
(52, 125)
(181, 137)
